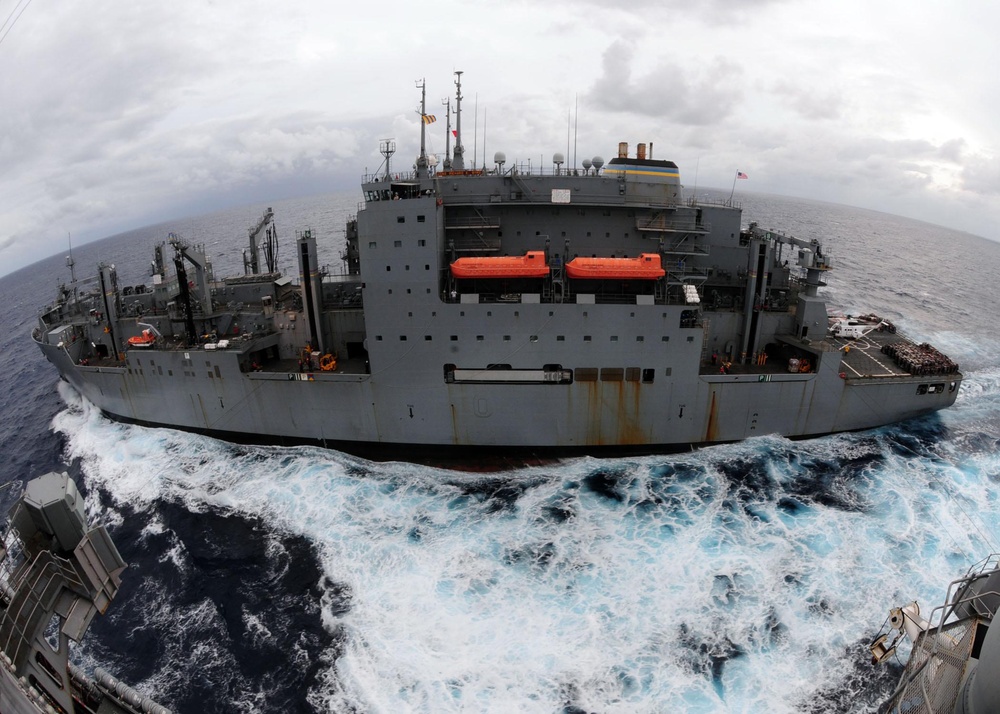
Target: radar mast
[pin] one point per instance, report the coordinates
(459, 161)
(422, 159)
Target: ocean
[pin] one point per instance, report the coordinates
(740, 578)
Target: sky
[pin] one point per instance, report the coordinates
(116, 115)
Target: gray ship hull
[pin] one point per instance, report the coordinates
(359, 412)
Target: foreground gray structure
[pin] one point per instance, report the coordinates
(56, 575)
(955, 652)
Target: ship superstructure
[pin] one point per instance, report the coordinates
(509, 307)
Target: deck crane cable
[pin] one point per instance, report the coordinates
(5, 32)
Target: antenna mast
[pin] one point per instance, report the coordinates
(459, 162)
(69, 259)
(447, 136)
(422, 159)
(387, 148)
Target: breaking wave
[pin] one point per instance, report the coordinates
(747, 577)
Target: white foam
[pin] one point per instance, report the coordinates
(460, 603)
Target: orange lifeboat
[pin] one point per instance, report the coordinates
(146, 339)
(645, 267)
(530, 265)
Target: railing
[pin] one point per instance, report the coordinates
(938, 642)
(14, 573)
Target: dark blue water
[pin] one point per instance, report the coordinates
(747, 577)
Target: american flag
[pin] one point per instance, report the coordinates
(740, 174)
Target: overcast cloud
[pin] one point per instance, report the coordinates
(116, 115)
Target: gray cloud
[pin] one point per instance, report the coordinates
(716, 13)
(808, 102)
(700, 96)
(981, 175)
(118, 115)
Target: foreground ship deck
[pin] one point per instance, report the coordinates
(955, 655)
(56, 575)
(561, 311)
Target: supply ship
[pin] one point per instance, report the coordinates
(542, 310)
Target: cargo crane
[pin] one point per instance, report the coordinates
(268, 247)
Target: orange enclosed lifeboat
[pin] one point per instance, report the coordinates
(530, 265)
(645, 267)
(146, 339)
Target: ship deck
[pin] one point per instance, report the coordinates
(861, 358)
(864, 358)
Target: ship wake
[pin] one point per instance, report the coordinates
(746, 577)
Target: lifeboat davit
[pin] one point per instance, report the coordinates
(645, 267)
(146, 339)
(530, 265)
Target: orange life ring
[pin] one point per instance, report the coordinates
(328, 363)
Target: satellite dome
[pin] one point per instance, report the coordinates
(587, 164)
(557, 158)
(500, 158)
(598, 162)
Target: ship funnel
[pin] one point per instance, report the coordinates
(622, 149)
(640, 151)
